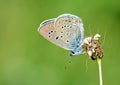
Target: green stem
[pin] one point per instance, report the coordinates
(100, 71)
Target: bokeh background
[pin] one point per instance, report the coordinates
(26, 58)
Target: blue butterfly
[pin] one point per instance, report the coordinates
(65, 31)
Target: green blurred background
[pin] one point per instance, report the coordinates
(26, 58)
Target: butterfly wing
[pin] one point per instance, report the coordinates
(71, 28)
(48, 31)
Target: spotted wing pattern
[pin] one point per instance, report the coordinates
(65, 31)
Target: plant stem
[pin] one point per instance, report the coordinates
(100, 71)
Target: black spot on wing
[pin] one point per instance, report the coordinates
(67, 41)
(51, 32)
(57, 38)
(65, 26)
(70, 26)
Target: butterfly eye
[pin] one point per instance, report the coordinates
(72, 53)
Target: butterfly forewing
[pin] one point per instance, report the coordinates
(48, 31)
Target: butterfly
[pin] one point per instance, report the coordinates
(65, 31)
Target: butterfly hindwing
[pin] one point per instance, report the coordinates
(71, 28)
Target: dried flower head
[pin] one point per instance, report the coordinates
(92, 47)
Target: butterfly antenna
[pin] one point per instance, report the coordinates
(98, 30)
(90, 31)
(104, 39)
